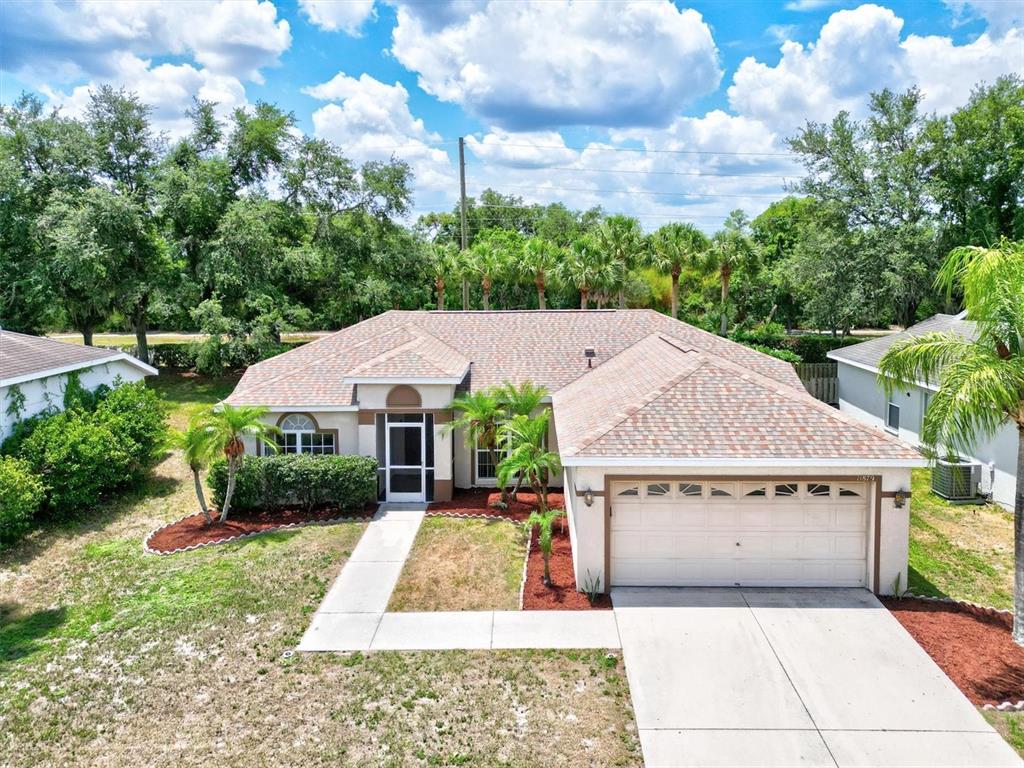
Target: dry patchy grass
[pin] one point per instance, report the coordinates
(462, 565)
(960, 551)
(1010, 726)
(109, 657)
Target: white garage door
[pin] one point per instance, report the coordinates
(739, 533)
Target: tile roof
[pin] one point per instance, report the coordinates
(664, 398)
(869, 353)
(546, 347)
(23, 355)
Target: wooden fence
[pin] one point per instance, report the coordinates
(821, 380)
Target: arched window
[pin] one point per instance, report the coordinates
(299, 435)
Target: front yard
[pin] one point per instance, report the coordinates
(462, 565)
(109, 656)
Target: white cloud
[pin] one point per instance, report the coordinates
(1001, 15)
(334, 15)
(526, 66)
(370, 120)
(808, 5)
(859, 51)
(49, 41)
(535, 149)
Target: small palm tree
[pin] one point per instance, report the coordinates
(194, 444)
(730, 250)
(674, 247)
(444, 263)
(545, 521)
(540, 257)
(980, 380)
(581, 268)
(479, 415)
(522, 398)
(528, 458)
(621, 239)
(224, 429)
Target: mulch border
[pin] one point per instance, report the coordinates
(1002, 615)
(284, 526)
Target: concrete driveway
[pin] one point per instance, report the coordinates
(786, 677)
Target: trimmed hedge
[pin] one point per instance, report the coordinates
(21, 495)
(810, 347)
(781, 354)
(184, 354)
(281, 480)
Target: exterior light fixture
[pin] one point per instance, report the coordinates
(900, 499)
(588, 497)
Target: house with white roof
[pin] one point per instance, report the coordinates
(862, 395)
(688, 459)
(34, 372)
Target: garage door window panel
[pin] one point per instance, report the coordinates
(755, 490)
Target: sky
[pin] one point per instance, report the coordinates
(665, 111)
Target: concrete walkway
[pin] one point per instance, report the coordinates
(353, 617)
(783, 677)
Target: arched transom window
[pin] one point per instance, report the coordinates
(299, 435)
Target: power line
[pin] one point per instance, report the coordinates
(592, 148)
(647, 173)
(544, 188)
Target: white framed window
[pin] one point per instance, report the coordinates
(755, 489)
(819, 489)
(299, 435)
(892, 417)
(626, 489)
(659, 489)
(691, 489)
(722, 491)
(786, 489)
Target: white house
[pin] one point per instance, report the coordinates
(34, 373)
(689, 459)
(861, 395)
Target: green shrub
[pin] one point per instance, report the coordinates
(78, 459)
(280, 480)
(813, 347)
(21, 495)
(137, 416)
(781, 354)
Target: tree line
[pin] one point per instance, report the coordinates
(245, 227)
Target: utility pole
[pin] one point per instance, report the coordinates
(462, 214)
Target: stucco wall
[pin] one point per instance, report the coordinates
(41, 394)
(587, 523)
(861, 396)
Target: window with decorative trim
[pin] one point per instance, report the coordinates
(850, 491)
(691, 489)
(629, 489)
(755, 490)
(786, 489)
(659, 489)
(726, 491)
(819, 489)
(299, 435)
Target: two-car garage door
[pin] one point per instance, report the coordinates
(724, 532)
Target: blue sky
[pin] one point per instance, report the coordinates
(547, 94)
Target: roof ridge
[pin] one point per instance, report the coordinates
(649, 397)
(419, 334)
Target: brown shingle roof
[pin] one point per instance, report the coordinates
(546, 347)
(665, 399)
(23, 355)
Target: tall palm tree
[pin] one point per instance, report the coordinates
(540, 256)
(487, 261)
(622, 240)
(730, 250)
(582, 267)
(195, 446)
(444, 263)
(674, 247)
(224, 429)
(980, 380)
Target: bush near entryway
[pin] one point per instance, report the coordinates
(21, 495)
(282, 480)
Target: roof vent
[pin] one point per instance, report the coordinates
(590, 354)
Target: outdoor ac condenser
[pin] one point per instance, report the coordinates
(956, 479)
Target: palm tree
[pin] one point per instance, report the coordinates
(730, 250)
(444, 262)
(980, 380)
(479, 415)
(521, 399)
(581, 267)
(622, 241)
(545, 520)
(195, 447)
(224, 429)
(674, 247)
(540, 256)
(486, 260)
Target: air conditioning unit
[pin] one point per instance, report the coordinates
(956, 479)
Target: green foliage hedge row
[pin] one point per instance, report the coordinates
(21, 496)
(211, 358)
(810, 347)
(81, 454)
(280, 480)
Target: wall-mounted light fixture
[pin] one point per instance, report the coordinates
(900, 499)
(588, 497)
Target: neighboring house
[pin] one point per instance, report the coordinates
(34, 372)
(689, 459)
(862, 395)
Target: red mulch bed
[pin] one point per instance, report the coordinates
(977, 652)
(193, 529)
(562, 595)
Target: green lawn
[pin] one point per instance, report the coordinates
(462, 565)
(109, 656)
(960, 551)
